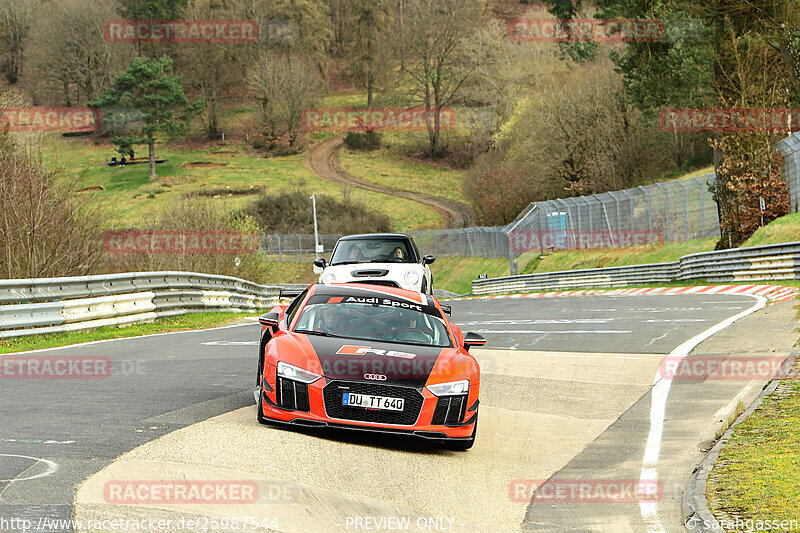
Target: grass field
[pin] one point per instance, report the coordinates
(129, 197)
(384, 167)
(756, 475)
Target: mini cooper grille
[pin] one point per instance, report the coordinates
(383, 282)
(292, 395)
(334, 390)
(449, 410)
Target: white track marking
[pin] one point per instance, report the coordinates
(659, 395)
(51, 468)
(230, 343)
(572, 331)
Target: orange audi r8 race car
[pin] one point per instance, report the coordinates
(369, 357)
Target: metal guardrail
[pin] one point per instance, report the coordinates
(51, 305)
(771, 262)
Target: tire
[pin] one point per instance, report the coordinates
(461, 445)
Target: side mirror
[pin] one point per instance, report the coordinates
(473, 339)
(446, 309)
(269, 319)
(320, 262)
(428, 259)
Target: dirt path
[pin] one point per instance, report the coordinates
(322, 160)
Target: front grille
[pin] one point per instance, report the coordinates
(369, 273)
(292, 395)
(334, 390)
(383, 282)
(449, 410)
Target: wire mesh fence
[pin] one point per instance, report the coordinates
(790, 148)
(672, 211)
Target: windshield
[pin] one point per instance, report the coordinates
(373, 322)
(373, 251)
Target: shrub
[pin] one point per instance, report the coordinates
(46, 228)
(291, 212)
(197, 214)
(369, 140)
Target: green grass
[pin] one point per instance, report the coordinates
(185, 322)
(784, 229)
(384, 168)
(756, 475)
(609, 257)
(455, 274)
(129, 197)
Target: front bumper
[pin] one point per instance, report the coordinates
(457, 428)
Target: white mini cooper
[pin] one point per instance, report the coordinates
(390, 259)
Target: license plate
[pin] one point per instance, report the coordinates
(368, 401)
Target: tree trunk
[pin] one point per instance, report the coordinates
(151, 145)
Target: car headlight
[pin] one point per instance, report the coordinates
(328, 278)
(450, 389)
(288, 371)
(411, 277)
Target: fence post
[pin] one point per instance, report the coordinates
(630, 200)
(649, 208)
(299, 247)
(280, 250)
(666, 206)
(685, 208)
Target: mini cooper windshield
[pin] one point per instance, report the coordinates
(378, 250)
(373, 322)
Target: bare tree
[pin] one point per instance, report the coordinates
(436, 59)
(16, 19)
(284, 86)
(69, 60)
(212, 69)
(46, 229)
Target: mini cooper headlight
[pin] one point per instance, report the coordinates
(411, 277)
(328, 278)
(450, 389)
(288, 371)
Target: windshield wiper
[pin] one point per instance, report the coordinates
(320, 333)
(346, 263)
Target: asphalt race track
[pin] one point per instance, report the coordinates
(566, 395)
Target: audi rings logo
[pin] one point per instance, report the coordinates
(376, 377)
